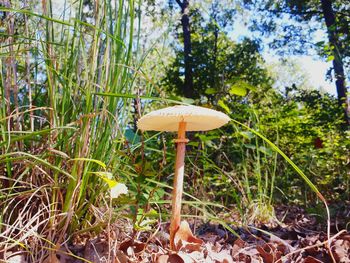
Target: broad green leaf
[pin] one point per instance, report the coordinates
(241, 88)
(238, 90)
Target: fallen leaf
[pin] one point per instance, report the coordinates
(120, 257)
(132, 247)
(341, 250)
(173, 258)
(311, 259)
(222, 256)
(269, 253)
(52, 258)
(185, 239)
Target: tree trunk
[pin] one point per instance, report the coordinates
(188, 90)
(338, 66)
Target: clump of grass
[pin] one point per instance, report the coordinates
(55, 128)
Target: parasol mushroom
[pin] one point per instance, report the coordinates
(181, 119)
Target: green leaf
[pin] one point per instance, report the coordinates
(247, 134)
(330, 58)
(89, 160)
(241, 88)
(107, 177)
(265, 150)
(187, 101)
(222, 104)
(238, 90)
(210, 91)
(204, 137)
(194, 144)
(132, 137)
(250, 146)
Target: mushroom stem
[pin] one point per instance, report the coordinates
(178, 182)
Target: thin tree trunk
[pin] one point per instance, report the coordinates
(188, 89)
(338, 66)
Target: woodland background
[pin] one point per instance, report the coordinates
(76, 76)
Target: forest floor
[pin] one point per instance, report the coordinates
(298, 237)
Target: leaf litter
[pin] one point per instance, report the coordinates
(298, 239)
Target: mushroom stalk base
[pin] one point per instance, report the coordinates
(178, 183)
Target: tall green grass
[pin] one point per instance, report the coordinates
(53, 121)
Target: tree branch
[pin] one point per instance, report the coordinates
(179, 3)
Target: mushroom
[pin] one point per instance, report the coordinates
(181, 119)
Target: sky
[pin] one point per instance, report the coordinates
(313, 66)
(317, 69)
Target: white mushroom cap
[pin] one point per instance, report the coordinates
(196, 118)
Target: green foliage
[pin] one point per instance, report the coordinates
(299, 125)
(218, 63)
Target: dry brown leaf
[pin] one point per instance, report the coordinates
(269, 253)
(173, 258)
(250, 254)
(341, 251)
(96, 250)
(185, 239)
(222, 256)
(131, 247)
(217, 254)
(239, 243)
(311, 259)
(52, 258)
(120, 257)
